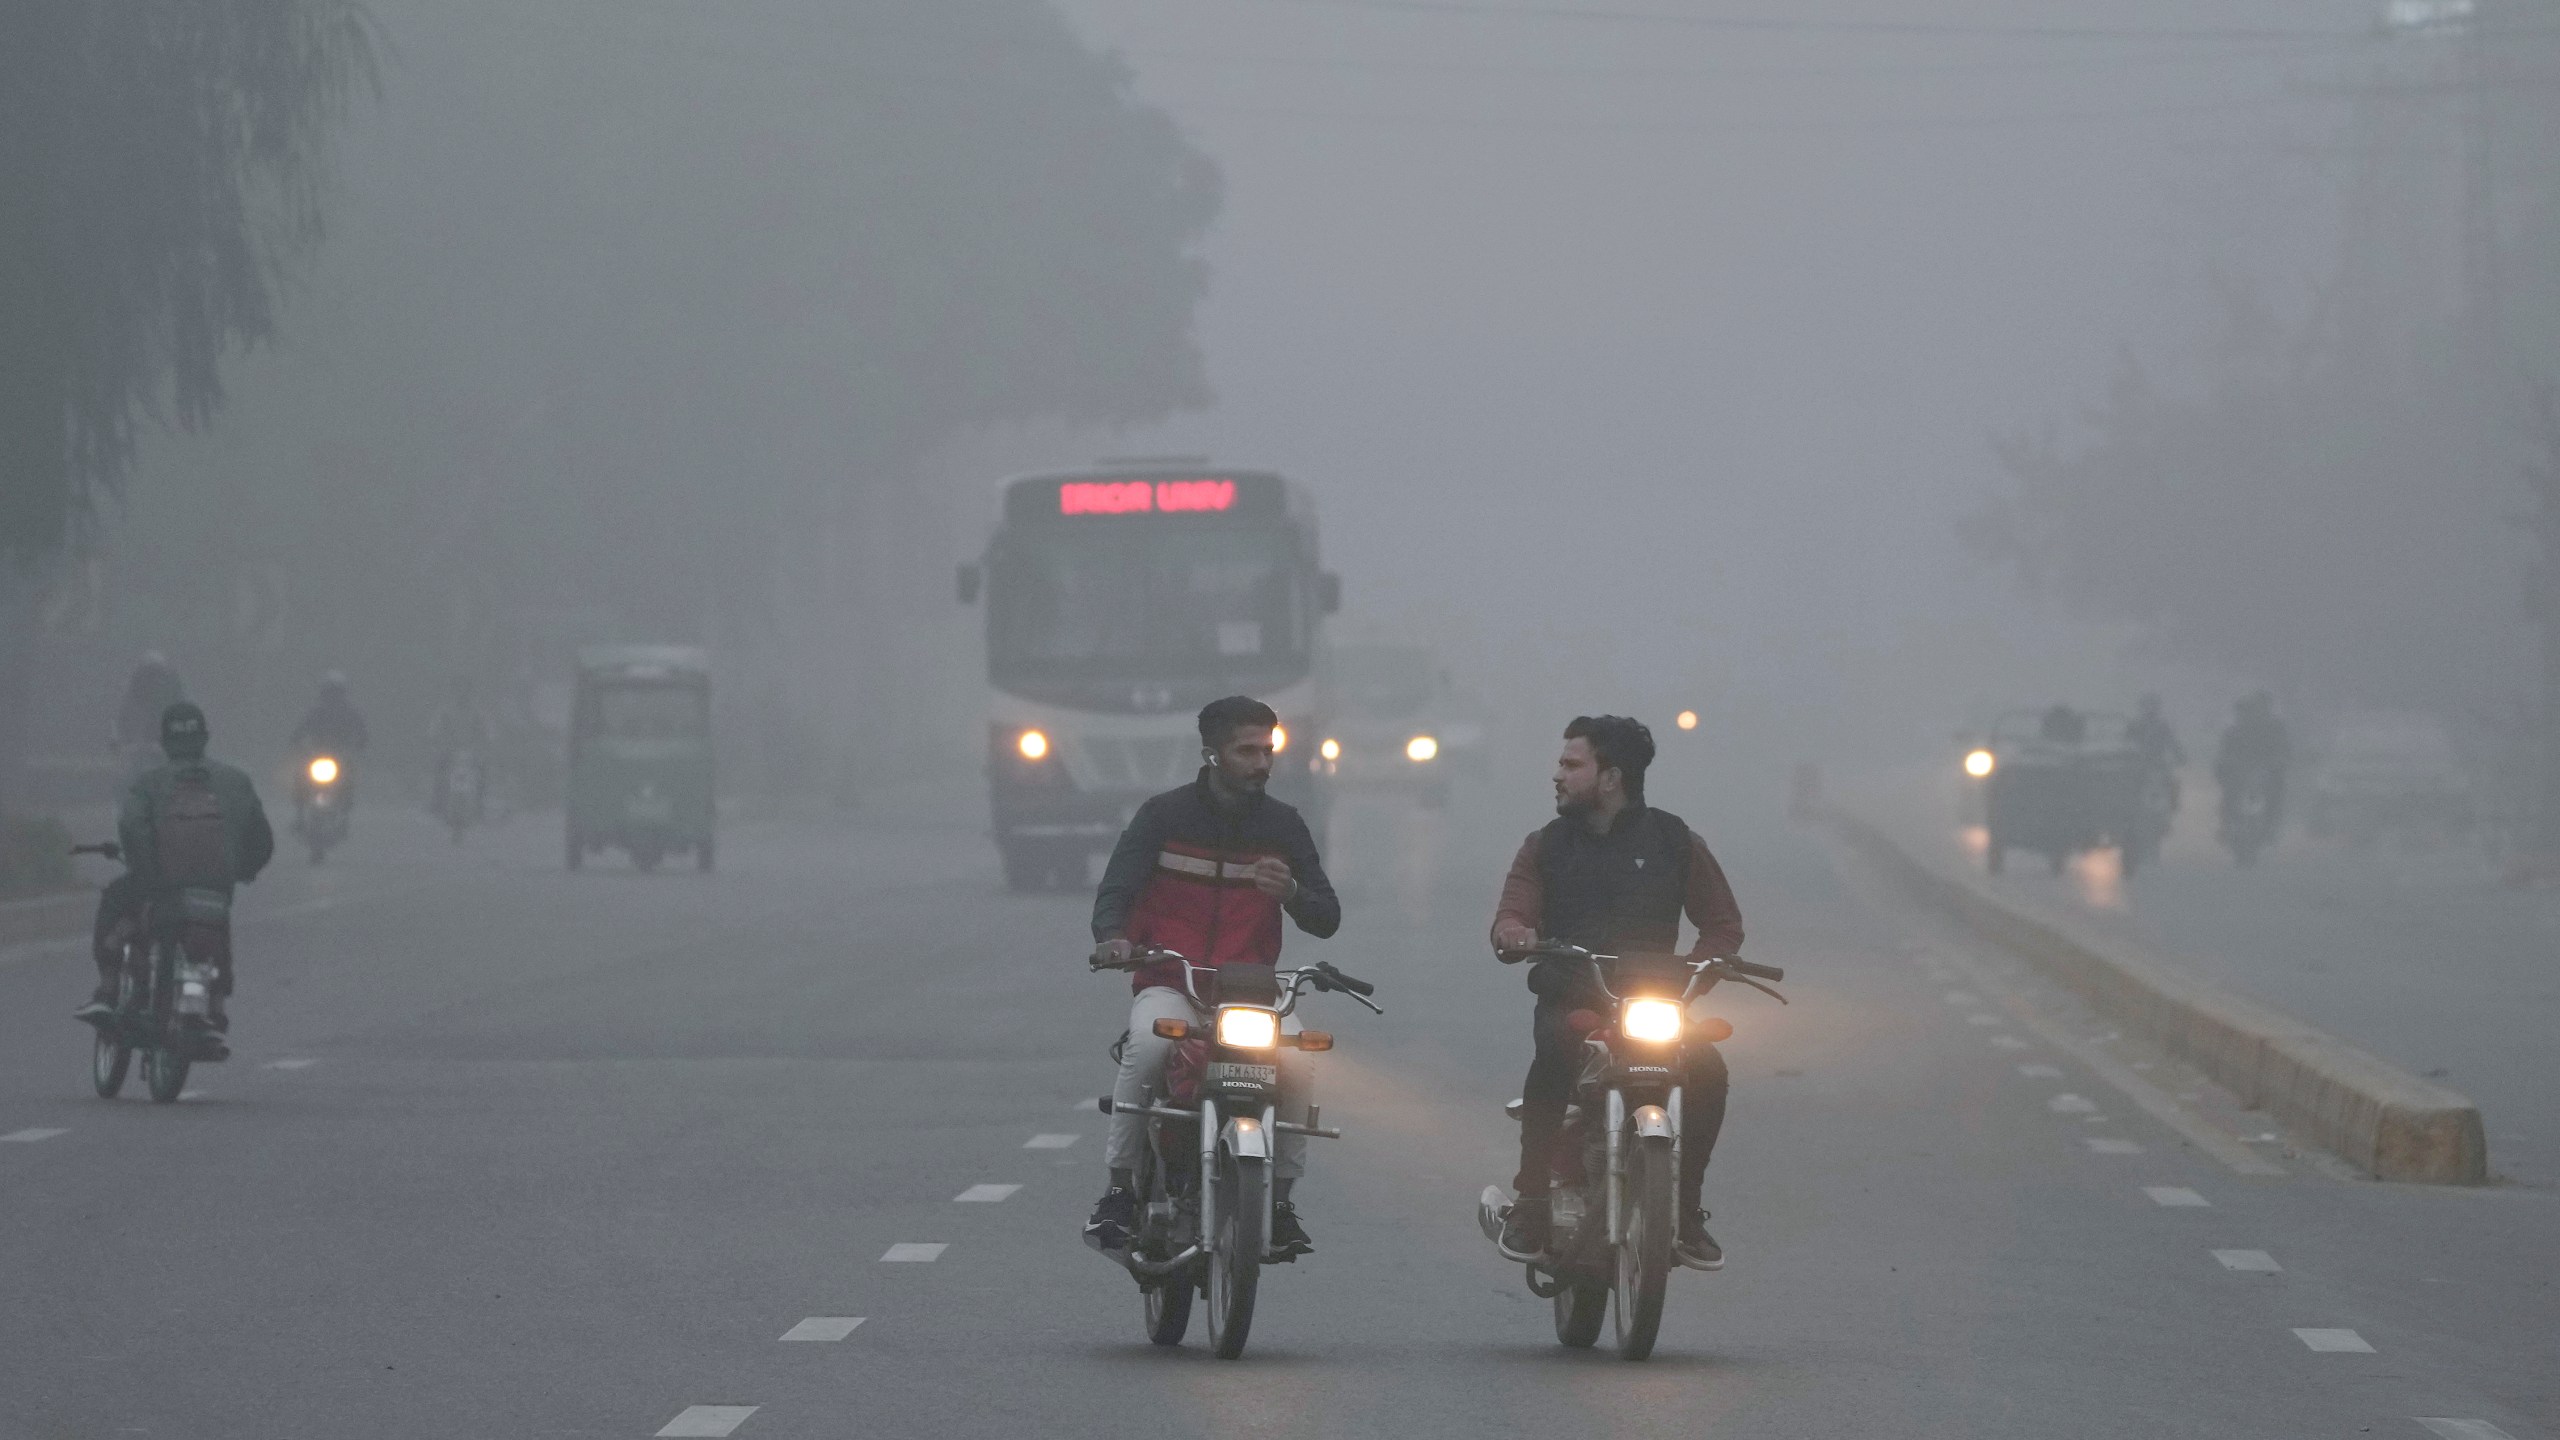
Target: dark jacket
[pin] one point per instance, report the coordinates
(253, 841)
(334, 725)
(1619, 893)
(1181, 879)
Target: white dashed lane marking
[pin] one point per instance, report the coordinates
(2067, 1103)
(1963, 997)
(708, 1420)
(2334, 1342)
(823, 1327)
(2040, 1072)
(29, 1137)
(1050, 1142)
(2257, 1260)
(2109, 1145)
(1982, 1017)
(2008, 1042)
(911, 1252)
(2462, 1429)
(288, 1064)
(2174, 1195)
(985, 1194)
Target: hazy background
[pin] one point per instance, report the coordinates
(1641, 364)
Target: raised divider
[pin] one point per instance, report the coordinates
(2379, 1117)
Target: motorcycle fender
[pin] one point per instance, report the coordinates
(1652, 1121)
(1246, 1138)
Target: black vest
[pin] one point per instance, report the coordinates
(1619, 893)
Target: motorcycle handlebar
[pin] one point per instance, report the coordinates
(1338, 979)
(1772, 973)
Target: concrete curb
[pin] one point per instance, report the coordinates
(47, 917)
(2391, 1124)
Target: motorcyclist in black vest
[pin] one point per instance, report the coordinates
(1612, 875)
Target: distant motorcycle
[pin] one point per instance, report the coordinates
(2249, 816)
(2154, 807)
(1204, 1179)
(162, 996)
(1617, 1161)
(461, 792)
(322, 805)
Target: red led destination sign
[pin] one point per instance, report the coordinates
(1145, 497)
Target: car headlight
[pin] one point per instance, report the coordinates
(1248, 1029)
(1421, 748)
(324, 771)
(1655, 1021)
(1979, 763)
(1032, 745)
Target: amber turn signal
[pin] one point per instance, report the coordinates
(1713, 1029)
(1313, 1040)
(1173, 1029)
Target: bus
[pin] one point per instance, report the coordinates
(1119, 600)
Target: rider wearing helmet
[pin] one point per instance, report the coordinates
(191, 830)
(1207, 871)
(2256, 746)
(1613, 875)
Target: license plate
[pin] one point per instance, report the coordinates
(1223, 1071)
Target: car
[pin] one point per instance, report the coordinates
(1395, 721)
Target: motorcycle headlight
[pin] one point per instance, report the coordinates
(1032, 745)
(1654, 1021)
(1248, 1029)
(324, 771)
(1421, 749)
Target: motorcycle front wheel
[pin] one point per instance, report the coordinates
(1644, 1252)
(164, 1070)
(111, 1059)
(1235, 1270)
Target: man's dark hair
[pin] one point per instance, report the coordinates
(1221, 719)
(1619, 744)
(183, 732)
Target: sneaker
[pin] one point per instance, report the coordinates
(1114, 1216)
(1289, 1239)
(98, 1011)
(1525, 1229)
(217, 1019)
(1696, 1248)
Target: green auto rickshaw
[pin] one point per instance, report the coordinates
(640, 754)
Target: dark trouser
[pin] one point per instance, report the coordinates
(121, 907)
(1550, 1085)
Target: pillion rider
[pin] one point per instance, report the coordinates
(1207, 871)
(1613, 875)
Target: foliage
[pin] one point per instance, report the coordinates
(163, 163)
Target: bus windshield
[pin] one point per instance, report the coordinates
(1147, 601)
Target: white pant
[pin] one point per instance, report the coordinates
(1142, 1062)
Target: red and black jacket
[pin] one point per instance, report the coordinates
(1181, 879)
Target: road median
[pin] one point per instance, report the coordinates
(2391, 1124)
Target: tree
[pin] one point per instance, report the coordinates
(163, 164)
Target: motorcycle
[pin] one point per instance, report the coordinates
(1204, 1179)
(162, 998)
(460, 792)
(322, 805)
(2249, 816)
(1617, 1161)
(2155, 807)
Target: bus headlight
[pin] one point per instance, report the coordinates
(1654, 1021)
(1279, 738)
(324, 771)
(1421, 749)
(1979, 763)
(1032, 745)
(1248, 1029)
(1330, 749)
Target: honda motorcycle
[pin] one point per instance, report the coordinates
(162, 997)
(322, 805)
(1204, 1179)
(1617, 1161)
(2249, 816)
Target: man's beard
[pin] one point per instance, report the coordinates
(1570, 804)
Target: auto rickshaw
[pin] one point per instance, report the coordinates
(2059, 782)
(640, 754)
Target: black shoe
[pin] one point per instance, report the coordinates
(1696, 1248)
(217, 1019)
(1114, 1216)
(1525, 1230)
(1289, 1239)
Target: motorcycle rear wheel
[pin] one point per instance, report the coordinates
(1644, 1251)
(1235, 1270)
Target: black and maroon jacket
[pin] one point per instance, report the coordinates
(1181, 879)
